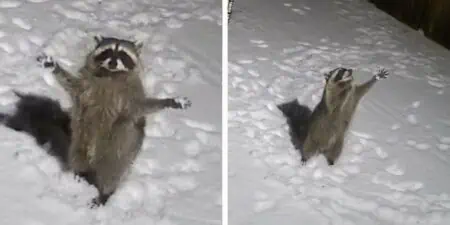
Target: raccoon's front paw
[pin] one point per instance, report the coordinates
(382, 74)
(46, 61)
(182, 103)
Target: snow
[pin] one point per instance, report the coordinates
(396, 160)
(177, 177)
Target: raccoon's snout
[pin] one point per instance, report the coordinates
(350, 71)
(112, 64)
(347, 76)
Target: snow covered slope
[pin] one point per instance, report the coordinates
(395, 168)
(177, 177)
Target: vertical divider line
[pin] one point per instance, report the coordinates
(224, 112)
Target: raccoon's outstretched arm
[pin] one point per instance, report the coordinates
(362, 89)
(69, 82)
(151, 105)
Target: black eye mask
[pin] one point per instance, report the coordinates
(108, 53)
(126, 60)
(115, 55)
(340, 75)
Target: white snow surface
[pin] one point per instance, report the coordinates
(177, 177)
(395, 166)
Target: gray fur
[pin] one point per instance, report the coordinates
(328, 124)
(107, 117)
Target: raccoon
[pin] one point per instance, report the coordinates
(107, 116)
(322, 131)
(44, 119)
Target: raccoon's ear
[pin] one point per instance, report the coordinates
(327, 76)
(98, 38)
(138, 46)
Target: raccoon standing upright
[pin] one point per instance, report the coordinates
(323, 130)
(107, 116)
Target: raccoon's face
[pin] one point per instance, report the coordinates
(116, 55)
(339, 78)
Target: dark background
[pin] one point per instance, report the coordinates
(432, 16)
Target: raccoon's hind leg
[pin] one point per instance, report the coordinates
(152, 105)
(334, 152)
(308, 150)
(101, 199)
(108, 175)
(305, 156)
(88, 176)
(78, 159)
(122, 148)
(105, 177)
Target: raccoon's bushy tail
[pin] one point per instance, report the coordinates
(45, 120)
(298, 121)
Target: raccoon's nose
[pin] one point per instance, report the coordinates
(112, 64)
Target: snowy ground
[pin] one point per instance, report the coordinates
(177, 178)
(396, 162)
